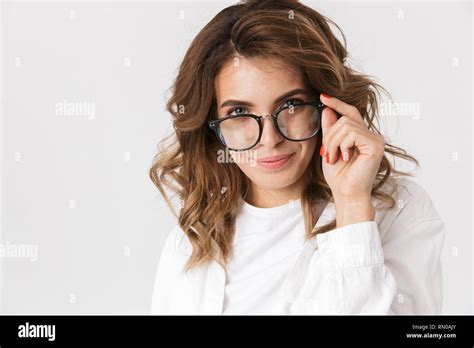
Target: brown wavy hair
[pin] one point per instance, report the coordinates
(186, 164)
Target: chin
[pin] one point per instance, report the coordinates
(273, 187)
(274, 181)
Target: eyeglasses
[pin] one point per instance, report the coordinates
(298, 122)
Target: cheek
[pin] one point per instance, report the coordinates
(246, 168)
(250, 171)
(307, 149)
(245, 161)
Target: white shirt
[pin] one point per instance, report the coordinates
(387, 266)
(267, 243)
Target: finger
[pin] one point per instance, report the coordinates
(347, 148)
(328, 118)
(364, 142)
(342, 107)
(343, 123)
(332, 144)
(346, 155)
(350, 139)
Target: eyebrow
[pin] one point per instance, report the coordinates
(233, 102)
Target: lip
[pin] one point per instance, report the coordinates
(274, 158)
(275, 162)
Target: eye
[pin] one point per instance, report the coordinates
(229, 113)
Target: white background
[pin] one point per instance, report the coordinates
(77, 187)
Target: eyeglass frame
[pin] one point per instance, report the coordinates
(214, 123)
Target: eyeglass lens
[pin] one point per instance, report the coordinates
(295, 123)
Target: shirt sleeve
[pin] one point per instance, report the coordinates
(353, 268)
(412, 248)
(413, 254)
(400, 274)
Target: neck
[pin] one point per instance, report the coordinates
(268, 198)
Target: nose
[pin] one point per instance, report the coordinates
(270, 135)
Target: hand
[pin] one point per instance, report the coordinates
(354, 154)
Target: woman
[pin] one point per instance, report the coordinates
(313, 219)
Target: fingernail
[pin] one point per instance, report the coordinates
(321, 150)
(345, 156)
(326, 95)
(327, 157)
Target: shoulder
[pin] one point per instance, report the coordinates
(411, 196)
(412, 236)
(175, 252)
(176, 248)
(414, 196)
(411, 192)
(173, 257)
(413, 207)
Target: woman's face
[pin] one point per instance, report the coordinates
(256, 86)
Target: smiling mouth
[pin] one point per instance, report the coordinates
(276, 162)
(276, 158)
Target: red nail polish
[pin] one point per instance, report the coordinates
(327, 157)
(321, 150)
(326, 95)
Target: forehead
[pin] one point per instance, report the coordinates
(254, 79)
